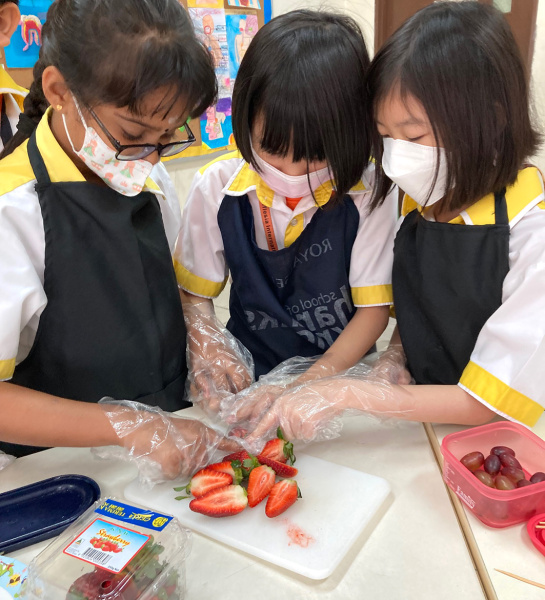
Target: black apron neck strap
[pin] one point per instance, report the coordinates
(5, 126)
(37, 162)
(500, 205)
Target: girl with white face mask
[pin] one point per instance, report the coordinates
(88, 221)
(450, 102)
(287, 216)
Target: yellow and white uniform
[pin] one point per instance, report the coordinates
(22, 296)
(506, 369)
(13, 96)
(200, 263)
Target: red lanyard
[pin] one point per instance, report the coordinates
(268, 227)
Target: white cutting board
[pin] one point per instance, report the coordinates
(310, 538)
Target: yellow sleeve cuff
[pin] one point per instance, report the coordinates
(7, 368)
(197, 285)
(373, 295)
(500, 396)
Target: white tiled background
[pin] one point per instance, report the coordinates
(182, 170)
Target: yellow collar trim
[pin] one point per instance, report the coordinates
(526, 189)
(246, 179)
(8, 86)
(59, 165)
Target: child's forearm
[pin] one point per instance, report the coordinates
(38, 419)
(358, 336)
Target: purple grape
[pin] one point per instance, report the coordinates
(492, 465)
(473, 460)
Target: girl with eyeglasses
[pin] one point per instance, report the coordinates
(88, 221)
(287, 216)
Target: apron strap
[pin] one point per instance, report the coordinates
(37, 162)
(501, 208)
(268, 227)
(6, 132)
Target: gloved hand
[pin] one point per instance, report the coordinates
(163, 446)
(5, 460)
(219, 365)
(391, 365)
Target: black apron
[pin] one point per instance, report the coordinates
(113, 324)
(6, 132)
(447, 282)
(294, 301)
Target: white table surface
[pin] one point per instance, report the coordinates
(414, 550)
(508, 549)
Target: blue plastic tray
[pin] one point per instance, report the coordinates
(44, 509)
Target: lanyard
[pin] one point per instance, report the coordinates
(5, 127)
(268, 227)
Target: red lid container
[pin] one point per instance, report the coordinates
(497, 508)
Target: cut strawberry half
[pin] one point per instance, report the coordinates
(232, 468)
(221, 502)
(279, 449)
(279, 468)
(281, 497)
(260, 484)
(205, 481)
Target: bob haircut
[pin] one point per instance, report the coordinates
(461, 62)
(303, 75)
(113, 52)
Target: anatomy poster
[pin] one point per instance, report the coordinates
(25, 43)
(240, 31)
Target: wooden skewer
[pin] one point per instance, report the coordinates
(540, 526)
(539, 585)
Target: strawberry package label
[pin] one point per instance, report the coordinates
(114, 551)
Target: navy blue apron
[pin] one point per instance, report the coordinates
(294, 301)
(113, 324)
(5, 126)
(447, 282)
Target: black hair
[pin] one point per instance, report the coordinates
(461, 62)
(304, 76)
(113, 52)
(16, 2)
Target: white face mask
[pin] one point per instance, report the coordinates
(291, 186)
(127, 177)
(412, 167)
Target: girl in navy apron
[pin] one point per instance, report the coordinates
(450, 101)
(287, 215)
(89, 302)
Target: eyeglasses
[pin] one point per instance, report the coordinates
(139, 151)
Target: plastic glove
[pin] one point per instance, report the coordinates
(391, 365)
(163, 446)
(312, 412)
(249, 406)
(219, 365)
(5, 460)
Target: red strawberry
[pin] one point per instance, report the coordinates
(221, 502)
(205, 481)
(259, 484)
(279, 449)
(281, 497)
(240, 455)
(99, 584)
(228, 467)
(279, 468)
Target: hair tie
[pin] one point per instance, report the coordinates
(26, 125)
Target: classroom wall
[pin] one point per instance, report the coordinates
(183, 170)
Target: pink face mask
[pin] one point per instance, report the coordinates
(291, 186)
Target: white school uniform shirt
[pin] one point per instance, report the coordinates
(199, 258)
(506, 371)
(22, 239)
(13, 96)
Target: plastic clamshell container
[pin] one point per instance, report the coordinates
(496, 508)
(42, 510)
(537, 536)
(115, 551)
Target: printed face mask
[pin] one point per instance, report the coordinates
(127, 177)
(291, 186)
(412, 167)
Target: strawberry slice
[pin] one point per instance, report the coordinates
(233, 468)
(281, 497)
(221, 502)
(240, 455)
(279, 449)
(260, 484)
(279, 468)
(203, 482)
